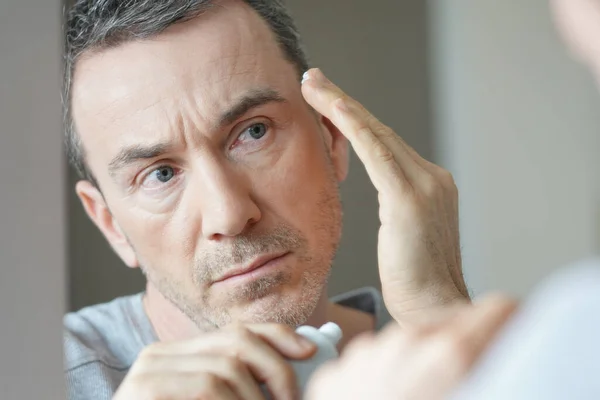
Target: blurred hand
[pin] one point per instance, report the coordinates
(226, 364)
(418, 249)
(420, 363)
(579, 22)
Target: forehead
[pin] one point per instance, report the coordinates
(202, 64)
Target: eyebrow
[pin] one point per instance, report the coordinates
(253, 99)
(135, 153)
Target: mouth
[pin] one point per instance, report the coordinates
(259, 266)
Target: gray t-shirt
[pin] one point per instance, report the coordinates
(103, 341)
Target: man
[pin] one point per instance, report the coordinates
(209, 166)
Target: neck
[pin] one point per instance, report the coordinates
(171, 324)
(168, 321)
(320, 314)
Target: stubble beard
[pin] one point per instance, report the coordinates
(289, 311)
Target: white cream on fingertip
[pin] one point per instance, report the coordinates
(305, 77)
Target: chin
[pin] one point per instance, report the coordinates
(285, 304)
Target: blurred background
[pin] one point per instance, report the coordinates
(483, 87)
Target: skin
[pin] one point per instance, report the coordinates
(402, 363)
(232, 197)
(579, 24)
(418, 249)
(190, 190)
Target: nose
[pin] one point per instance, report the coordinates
(227, 205)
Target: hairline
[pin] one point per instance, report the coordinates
(77, 153)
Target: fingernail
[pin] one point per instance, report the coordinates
(304, 343)
(320, 76)
(305, 77)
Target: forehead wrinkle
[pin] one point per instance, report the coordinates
(208, 86)
(115, 102)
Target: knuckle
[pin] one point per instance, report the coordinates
(238, 338)
(385, 132)
(456, 352)
(149, 353)
(353, 104)
(446, 177)
(359, 345)
(500, 298)
(234, 365)
(499, 304)
(382, 153)
(210, 388)
(364, 133)
(240, 331)
(411, 336)
(287, 374)
(430, 186)
(282, 330)
(211, 381)
(448, 181)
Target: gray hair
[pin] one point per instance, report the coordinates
(101, 24)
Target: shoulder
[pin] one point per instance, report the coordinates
(100, 334)
(97, 349)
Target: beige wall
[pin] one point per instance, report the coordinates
(379, 55)
(32, 240)
(519, 125)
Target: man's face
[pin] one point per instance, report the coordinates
(209, 162)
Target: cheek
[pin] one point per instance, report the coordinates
(159, 241)
(295, 185)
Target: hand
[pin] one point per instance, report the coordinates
(579, 23)
(226, 364)
(425, 363)
(419, 249)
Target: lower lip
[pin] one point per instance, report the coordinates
(263, 270)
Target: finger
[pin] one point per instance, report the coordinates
(375, 144)
(280, 337)
(285, 340)
(324, 96)
(236, 373)
(231, 370)
(380, 161)
(264, 358)
(181, 386)
(358, 343)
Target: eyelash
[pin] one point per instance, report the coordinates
(153, 171)
(268, 128)
(176, 171)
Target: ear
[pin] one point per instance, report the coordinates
(337, 146)
(96, 208)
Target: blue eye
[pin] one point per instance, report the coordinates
(257, 131)
(164, 174)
